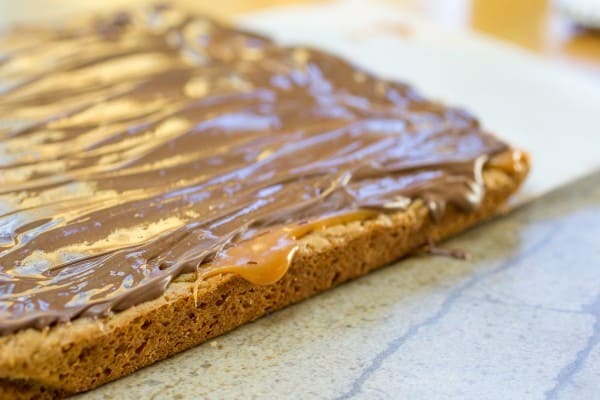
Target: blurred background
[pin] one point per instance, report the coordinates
(545, 27)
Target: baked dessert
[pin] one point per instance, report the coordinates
(165, 179)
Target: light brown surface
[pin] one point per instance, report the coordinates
(536, 25)
(87, 353)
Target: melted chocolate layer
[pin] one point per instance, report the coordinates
(137, 147)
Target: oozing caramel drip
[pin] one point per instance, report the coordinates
(511, 162)
(137, 147)
(265, 258)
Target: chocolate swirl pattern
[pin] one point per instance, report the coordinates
(137, 147)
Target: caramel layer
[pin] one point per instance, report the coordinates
(265, 258)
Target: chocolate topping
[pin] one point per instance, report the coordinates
(136, 148)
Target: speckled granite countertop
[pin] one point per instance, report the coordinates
(520, 320)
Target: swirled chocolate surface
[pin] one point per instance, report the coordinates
(138, 146)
